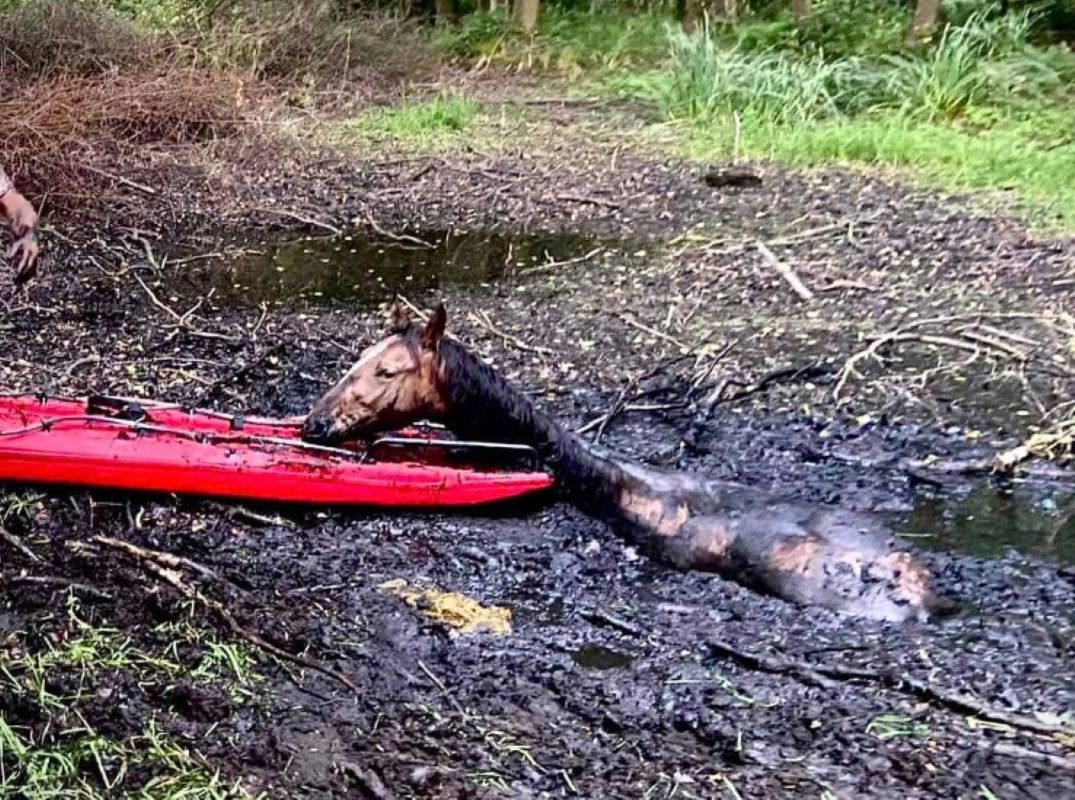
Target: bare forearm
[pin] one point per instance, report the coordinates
(22, 217)
(18, 211)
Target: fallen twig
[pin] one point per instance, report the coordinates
(398, 237)
(617, 406)
(602, 617)
(836, 286)
(993, 342)
(772, 664)
(167, 309)
(949, 466)
(120, 179)
(634, 323)
(169, 560)
(482, 319)
(713, 364)
(593, 201)
(150, 255)
(443, 689)
(241, 513)
(692, 438)
(300, 218)
(647, 408)
(181, 319)
(77, 364)
(554, 264)
(621, 405)
(50, 580)
(974, 338)
(1051, 759)
(241, 372)
(826, 675)
(892, 338)
(785, 272)
(19, 545)
(1056, 443)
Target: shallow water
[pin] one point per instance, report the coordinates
(989, 521)
(366, 271)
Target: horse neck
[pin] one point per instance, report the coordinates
(481, 404)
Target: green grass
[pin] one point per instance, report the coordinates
(566, 41)
(426, 124)
(67, 757)
(891, 726)
(980, 109)
(1033, 156)
(983, 61)
(80, 764)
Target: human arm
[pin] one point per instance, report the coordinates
(22, 217)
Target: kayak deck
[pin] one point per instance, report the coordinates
(114, 443)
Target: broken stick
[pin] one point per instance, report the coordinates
(825, 675)
(785, 272)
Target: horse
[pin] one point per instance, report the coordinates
(809, 555)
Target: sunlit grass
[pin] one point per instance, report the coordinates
(425, 124)
(1031, 159)
(566, 41)
(980, 110)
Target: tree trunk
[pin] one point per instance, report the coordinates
(526, 14)
(728, 9)
(801, 10)
(447, 12)
(924, 21)
(690, 14)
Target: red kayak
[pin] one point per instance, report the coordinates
(116, 443)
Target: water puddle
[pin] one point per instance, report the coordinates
(367, 271)
(595, 656)
(989, 521)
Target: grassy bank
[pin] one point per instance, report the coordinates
(1010, 161)
(981, 108)
(987, 105)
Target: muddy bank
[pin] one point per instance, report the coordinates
(610, 684)
(608, 681)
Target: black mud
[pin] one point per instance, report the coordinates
(609, 685)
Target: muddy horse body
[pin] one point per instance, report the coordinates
(806, 554)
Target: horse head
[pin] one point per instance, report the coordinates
(393, 383)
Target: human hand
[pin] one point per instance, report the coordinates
(23, 254)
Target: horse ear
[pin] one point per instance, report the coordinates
(398, 317)
(434, 329)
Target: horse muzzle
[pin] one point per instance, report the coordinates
(321, 429)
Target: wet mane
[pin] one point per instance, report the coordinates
(806, 554)
(484, 405)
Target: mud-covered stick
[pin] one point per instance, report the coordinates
(785, 272)
(828, 674)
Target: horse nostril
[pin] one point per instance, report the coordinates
(316, 427)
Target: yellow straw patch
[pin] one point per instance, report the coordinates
(460, 613)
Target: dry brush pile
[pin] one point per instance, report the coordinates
(85, 90)
(98, 110)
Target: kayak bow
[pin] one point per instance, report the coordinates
(114, 443)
